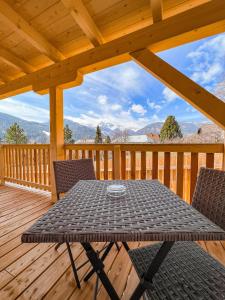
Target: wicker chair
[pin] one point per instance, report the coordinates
(67, 174)
(188, 272)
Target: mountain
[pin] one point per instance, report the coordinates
(80, 132)
(186, 128)
(36, 132)
(112, 130)
(39, 132)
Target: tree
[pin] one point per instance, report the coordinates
(121, 136)
(15, 135)
(68, 135)
(98, 136)
(108, 140)
(170, 129)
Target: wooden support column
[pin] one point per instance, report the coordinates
(56, 131)
(2, 165)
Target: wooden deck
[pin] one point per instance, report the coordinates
(38, 271)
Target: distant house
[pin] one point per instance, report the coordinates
(85, 141)
(153, 138)
(136, 139)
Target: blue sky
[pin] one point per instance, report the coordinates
(128, 96)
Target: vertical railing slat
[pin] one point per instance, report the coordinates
(180, 173)
(154, 165)
(106, 161)
(123, 165)
(143, 165)
(166, 176)
(194, 172)
(133, 164)
(210, 160)
(97, 164)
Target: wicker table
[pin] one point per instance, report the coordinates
(148, 212)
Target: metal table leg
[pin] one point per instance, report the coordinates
(146, 280)
(73, 265)
(98, 267)
(106, 252)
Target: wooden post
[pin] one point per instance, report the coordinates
(2, 165)
(117, 162)
(56, 131)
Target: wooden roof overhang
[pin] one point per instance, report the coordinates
(53, 43)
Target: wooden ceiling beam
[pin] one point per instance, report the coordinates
(202, 21)
(22, 27)
(205, 102)
(157, 10)
(82, 17)
(16, 61)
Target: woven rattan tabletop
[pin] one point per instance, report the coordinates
(148, 212)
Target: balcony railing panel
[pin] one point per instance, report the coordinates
(175, 165)
(27, 165)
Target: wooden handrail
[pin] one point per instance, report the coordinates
(197, 148)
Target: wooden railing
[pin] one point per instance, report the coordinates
(27, 165)
(176, 165)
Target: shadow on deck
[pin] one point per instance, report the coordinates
(38, 271)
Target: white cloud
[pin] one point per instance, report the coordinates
(102, 99)
(190, 109)
(207, 76)
(112, 113)
(138, 108)
(116, 107)
(207, 61)
(169, 95)
(23, 110)
(153, 105)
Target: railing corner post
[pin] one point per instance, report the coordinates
(117, 162)
(2, 165)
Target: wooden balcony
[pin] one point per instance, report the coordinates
(38, 271)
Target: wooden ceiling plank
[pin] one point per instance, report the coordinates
(82, 17)
(208, 104)
(157, 10)
(22, 27)
(199, 22)
(16, 61)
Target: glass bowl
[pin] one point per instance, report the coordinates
(116, 190)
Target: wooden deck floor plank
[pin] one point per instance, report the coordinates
(12, 244)
(27, 259)
(5, 277)
(65, 286)
(87, 288)
(216, 250)
(14, 199)
(119, 272)
(23, 215)
(23, 202)
(13, 255)
(39, 288)
(16, 287)
(21, 222)
(16, 232)
(15, 211)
